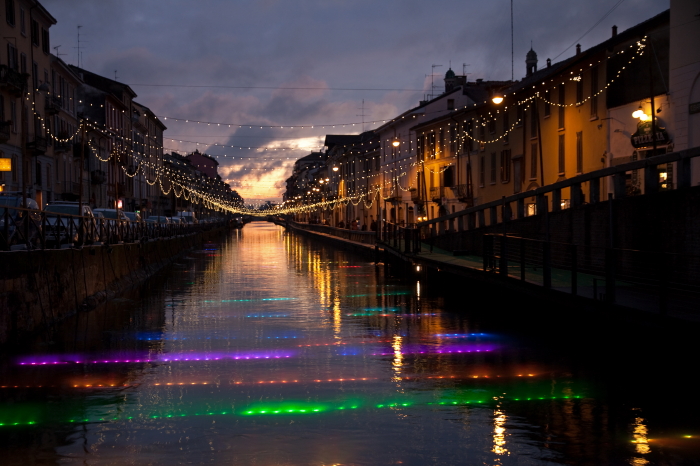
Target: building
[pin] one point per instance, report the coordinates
(553, 124)
(24, 93)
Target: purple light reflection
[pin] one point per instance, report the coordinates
(452, 349)
(46, 360)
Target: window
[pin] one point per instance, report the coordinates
(493, 167)
(448, 177)
(35, 32)
(450, 104)
(471, 144)
(22, 63)
(562, 154)
(492, 125)
(35, 75)
(453, 140)
(506, 127)
(519, 115)
(533, 161)
(505, 165)
(45, 40)
(547, 105)
(10, 12)
(13, 115)
(579, 91)
(533, 122)
(562, 95)
(420, 150)
(579, 152)
(22, 25)
(482, 171)
(12, 61)
(442, 142)
(594, 91)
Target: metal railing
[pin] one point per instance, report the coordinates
(22, 228)
(549, 198)
(646, 280)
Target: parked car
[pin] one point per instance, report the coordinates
(65, 223)
(187, 217)
(158, 219)
(19, 226)
(115, 227)
(133, 216)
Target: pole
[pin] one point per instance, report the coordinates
(80, 178)
(539, 142)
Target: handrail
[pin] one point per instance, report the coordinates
(650, 162)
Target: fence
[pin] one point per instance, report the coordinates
(646, 280)
(549, 198)
(22, 228)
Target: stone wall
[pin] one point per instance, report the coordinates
(39, 288)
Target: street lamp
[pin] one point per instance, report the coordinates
(395, 142)
(497, 98)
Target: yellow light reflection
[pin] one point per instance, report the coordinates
(499, 432)
(418, 289)
(397, 363)
(640, 436)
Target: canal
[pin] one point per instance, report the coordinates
(270, 349)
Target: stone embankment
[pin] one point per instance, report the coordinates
(39, 288)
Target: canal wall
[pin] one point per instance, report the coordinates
(39, 288)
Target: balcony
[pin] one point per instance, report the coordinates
(5, 127)
(61, 146)
(98, 177)
(390, 193)
(53, 105)
(38, 145)
(464, 194)
(416, 196)
(13, 81)
(436, 194)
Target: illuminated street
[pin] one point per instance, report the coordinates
(270, 350)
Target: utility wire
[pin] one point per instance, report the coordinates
(592, 27)
(273, 87)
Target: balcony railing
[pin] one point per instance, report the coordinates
(437, 193)
(5, 127)
(98, 177)
(53, 104)
(14, 81)
(416, 196)
(463, 194)
(62, 146)
(38, 145)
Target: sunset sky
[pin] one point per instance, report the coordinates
(309, 62)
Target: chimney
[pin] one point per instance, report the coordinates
(614, 28)
(578, 49)
(549, 62)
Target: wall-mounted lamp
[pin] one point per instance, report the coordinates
(395, 142)
(497, 98)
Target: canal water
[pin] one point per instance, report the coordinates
(270, 349)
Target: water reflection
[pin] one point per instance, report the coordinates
(269, 349)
